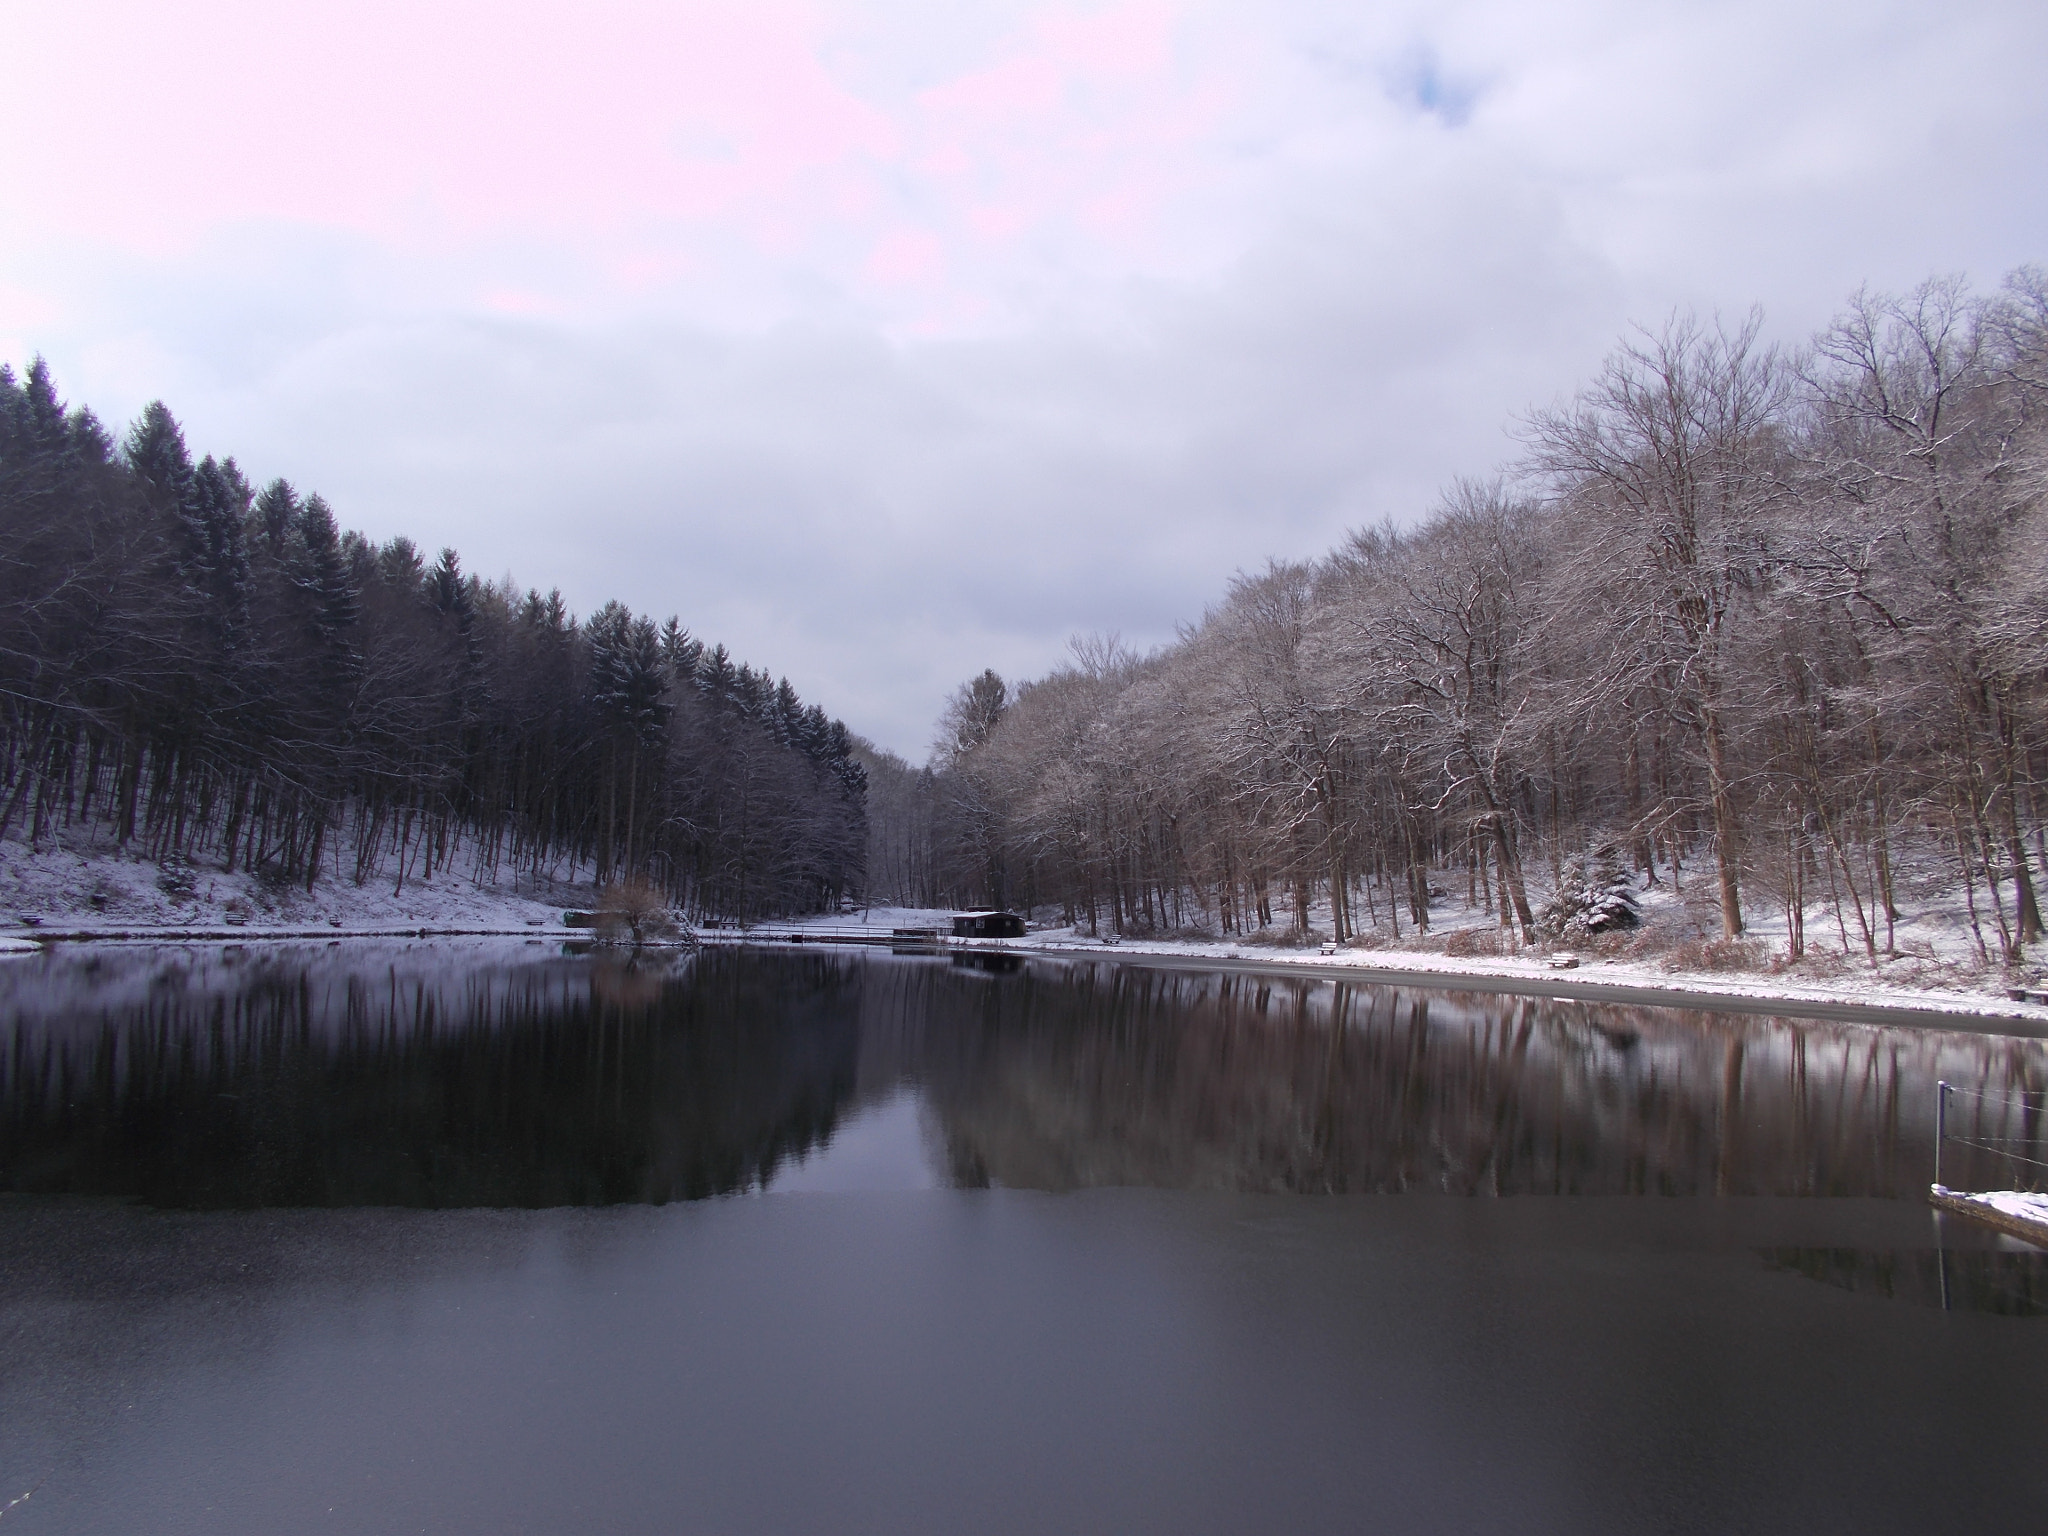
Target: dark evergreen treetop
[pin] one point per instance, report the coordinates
(229, 674)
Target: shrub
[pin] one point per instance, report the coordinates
(176, 877)
(1719, 955)
(1468, 943)
(1286, 937)
(634, 912)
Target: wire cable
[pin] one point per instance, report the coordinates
(2011, 1157)
(2019, 1097)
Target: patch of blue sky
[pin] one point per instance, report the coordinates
(1420, 81)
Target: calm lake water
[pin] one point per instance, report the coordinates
(493, 1238)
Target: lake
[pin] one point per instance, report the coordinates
(490, 1237)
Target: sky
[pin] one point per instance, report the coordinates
(888, 342)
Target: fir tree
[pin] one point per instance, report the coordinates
(277, 510)
(1595, 895)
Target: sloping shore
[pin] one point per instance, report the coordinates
(98, 896)
(1591, 981)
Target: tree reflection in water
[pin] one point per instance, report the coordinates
(442, 1076)
(1082, 1076)
(2002, 1282)
(427, 1081)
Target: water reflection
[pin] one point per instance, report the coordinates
(517, 1076)
(281, 1078)
(2003, 1282)
(989, 964)
(1115, 1076)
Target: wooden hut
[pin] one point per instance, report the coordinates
(987, 925)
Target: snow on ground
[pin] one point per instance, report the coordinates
(881, 919)
(1874, 989)
(82, 885)
(1936, 967)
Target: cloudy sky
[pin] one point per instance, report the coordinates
(890, 341)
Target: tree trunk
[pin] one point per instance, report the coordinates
(1725, 856)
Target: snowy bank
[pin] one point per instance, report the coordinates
(87, 889)
(1901, 986)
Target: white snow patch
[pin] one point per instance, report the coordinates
(1935, 969)
(1534, 964)
(2013, 1202)
(78, 883)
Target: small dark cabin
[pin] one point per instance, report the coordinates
(988, 925)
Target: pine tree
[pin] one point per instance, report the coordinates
(717, 678)
(219, 502)
(319, 570)
(155, 450)
(448, 592)
(277, 510)
(679, 651)
(43, 421)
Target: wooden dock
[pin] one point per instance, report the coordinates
(2013, 1212)
(842, 933)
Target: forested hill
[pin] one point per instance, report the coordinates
(1773, 618)
(212, 671)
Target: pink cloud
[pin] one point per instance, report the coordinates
(654, 143)
(905, 256)
(523, 302)
(998, 222)
(541, 114)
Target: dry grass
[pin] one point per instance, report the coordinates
(1471, 943)
(1718, 955)
(1287, 937)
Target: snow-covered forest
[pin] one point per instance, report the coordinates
(200, 670)
(1770, 620)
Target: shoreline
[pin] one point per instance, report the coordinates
(1898, 1007)
(236, 934)
(1627, 985)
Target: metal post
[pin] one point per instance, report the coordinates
(1940, 1127)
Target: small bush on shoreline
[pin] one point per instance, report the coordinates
(635, 912)
(1719, 955)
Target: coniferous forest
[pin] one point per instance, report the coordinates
(1769, 620)
(221, 672)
